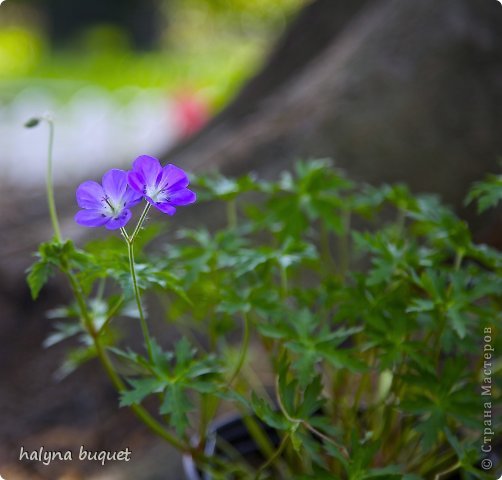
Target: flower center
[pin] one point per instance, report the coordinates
(158, 195)
(109, 208)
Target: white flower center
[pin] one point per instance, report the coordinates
(109, 207)
(158, 195)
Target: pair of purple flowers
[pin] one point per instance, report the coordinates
(109, 204)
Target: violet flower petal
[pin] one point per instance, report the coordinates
(183, 196)
(91, 218)
(145, 171)
(89, 195)
(163, 187)
(114, 184)
(117, 188)
(164, 207)
(173, 177)
(106, 205)
(131, 198)
(119, 221)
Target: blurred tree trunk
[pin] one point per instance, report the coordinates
(393, 90)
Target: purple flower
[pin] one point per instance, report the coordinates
(163, 187)
(107, 205)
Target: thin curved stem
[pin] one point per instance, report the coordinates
(49, 185)
(345, 244)
(284, 282)
(244, 350)
(139, 411)
(232, 214)
(274, 457)
(132, 268)
(140, 222)
(454, 467)
(209, 410)
(137, 294)
(111, 313)
(305, 424)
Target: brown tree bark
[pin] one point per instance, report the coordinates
(393, 90)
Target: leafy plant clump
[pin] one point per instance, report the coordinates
(369, 322)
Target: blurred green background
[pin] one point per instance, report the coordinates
(207, 46)
(121, 77)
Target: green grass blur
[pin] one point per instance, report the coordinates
(209, 46)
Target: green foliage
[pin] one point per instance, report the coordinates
(488, 193)
(171, 375)
(370, 306)
(53, 255)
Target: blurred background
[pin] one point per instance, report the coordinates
(392, 90)
(132, 75)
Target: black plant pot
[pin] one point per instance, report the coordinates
(232, 431)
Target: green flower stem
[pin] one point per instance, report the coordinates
(274, 457)
(364, 383)
(132, 267)
(140, 222)
(443, 321)
(204, 417)
(328, 262)
(140, 412)
(345, 244)
(232, 214)
(111, 314)
(454, 467)
(137, 294)
(208, 406)
(261, 439)
(79, 297)
(49, 185)
(244, 350)
(401, 221)
(433, 463)
(305, 424)
(284, 282)
(391, 418)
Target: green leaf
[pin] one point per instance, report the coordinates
(74, 359)
(287, 387)
(160, 358)
(177, 405)
(342, 359)
(389, 472)
(273, 331)
(54, 254)
(296, 441)
(39, 274)
(184, 352)
(217, 186)
(421, 305)
(141, 388)
(431, 427)
(488, 193)
(63, 331)
(265, 413)
(311, 403)
(304, 363)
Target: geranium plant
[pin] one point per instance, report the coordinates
(365, 314)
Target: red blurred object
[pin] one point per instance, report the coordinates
(191, 113)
